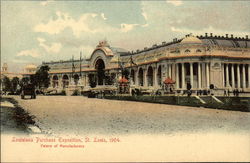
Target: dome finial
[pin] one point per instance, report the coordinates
(191, 39)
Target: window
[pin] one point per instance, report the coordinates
(187, 51)
(198, 51)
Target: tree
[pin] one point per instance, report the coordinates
(14, 84)
(24, 81)
(125, 73)
(6, 84)
(41, 78)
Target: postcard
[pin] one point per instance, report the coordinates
(125, 81)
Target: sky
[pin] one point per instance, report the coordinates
(36, 31)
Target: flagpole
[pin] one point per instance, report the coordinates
(72, 66)
(81, 63)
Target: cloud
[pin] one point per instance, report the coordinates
(54, 48)
(32, 53)
(88, 23)
(127, 27)
(144, 14)
(87, 50)
(175, 2)
(45, 3)
(176, 29)
(84, 24)
(103, 16)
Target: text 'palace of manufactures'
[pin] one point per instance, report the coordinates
(200, 62)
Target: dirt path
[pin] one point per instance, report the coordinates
(80, 115)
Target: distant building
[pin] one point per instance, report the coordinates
(29, 69)
(200, 61)
(5, 73)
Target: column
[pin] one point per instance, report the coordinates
(223, 75)
(244, 76)
(183, 75)
(177, 76)
(199, 75)
(248, 75)
(136, 77)
(51, 81)
(238, 75)
(233, 77)
(191, 75)
(155, 76)
(166, 71)
(170, 70)
(227, 76)
(60, 85)
(145, 81)
(207, 73)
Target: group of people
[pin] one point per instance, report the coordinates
(236, 92)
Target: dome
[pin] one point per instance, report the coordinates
(30, 67)
(191, 40)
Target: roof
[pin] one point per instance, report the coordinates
(31, 66)
(119, 51)
(234, 43)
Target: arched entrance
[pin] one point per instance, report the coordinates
(140, 77)
(76, 79)
(65, 81)
(100, 67)
(150, 76)
(55, 81)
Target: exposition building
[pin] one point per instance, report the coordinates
(223, 61)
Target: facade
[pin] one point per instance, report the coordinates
(29, 69)
(223, 61)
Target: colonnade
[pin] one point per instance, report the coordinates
(64, 80)
(236, 75)
(197, 74)
(177, 72)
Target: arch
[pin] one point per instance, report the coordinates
(140, 77)
(105, 52)
(132, 75)
(98, 53)
(100, 67)
(76, 79)
(159, 78)
(55, 77)
(65, 81)
(55, 82)
(150, 76)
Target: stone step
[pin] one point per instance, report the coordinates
(202, 101)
